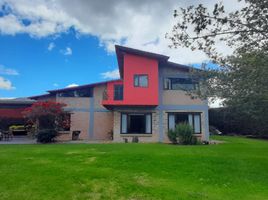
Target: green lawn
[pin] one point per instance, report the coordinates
(237, 169)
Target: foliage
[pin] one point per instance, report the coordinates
(231, 121)
(172, 136)
(48, 115)
(240, 79)
(182, 134)
(46, 135)
(200, 28)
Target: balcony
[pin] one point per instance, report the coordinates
(113, 97)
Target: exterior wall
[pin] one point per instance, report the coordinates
(79, 108)
(74, 102)
(110, 94)
(176, 97)
(88, 116)
(98, 96)
(103, 125)
(138, 95)
(179, 97)
(154, 137)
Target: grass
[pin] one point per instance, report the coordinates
(237, 169)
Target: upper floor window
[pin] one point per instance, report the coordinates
(179, 84)
(141, 80)
(118, 92)
(86, 92)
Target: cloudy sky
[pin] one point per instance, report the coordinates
(49, 44)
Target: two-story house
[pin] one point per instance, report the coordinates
(149, 99)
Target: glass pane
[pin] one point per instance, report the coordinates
(197, 123)
(136, 80)
(148, 123)
(143, 81)
(171, 121)
(182, 84)
(190, 119)
(124, 123)
(118, 92)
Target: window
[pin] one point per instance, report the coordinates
(180, 84)
(86, 92)
(194, 119)
(118, 92)
(141, 80)
(136, 123)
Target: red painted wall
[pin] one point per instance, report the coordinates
(11, 112)
(142, 96)
(110, 93)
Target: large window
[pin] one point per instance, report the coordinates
(136, 123)
(118, 92)
(180, 84)
(194, 119)
(85, 92)
(141, 80)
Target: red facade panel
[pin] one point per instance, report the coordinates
(136, 96)
(11, 112)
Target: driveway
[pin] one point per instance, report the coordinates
(19, 140)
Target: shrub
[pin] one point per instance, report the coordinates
(46, 135)
(172, 135)
(183, 134)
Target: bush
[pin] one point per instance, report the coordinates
(46, 136)
(183, 134)
(172, 135)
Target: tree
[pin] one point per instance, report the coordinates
(49, 117)
(240, 79)
(201, 29)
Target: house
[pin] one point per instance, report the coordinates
(149, 99)
(11, 113)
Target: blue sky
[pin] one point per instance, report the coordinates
(46, 44)
(40, 69)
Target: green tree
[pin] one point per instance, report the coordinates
(241, 79)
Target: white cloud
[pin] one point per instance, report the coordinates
(215, 103)
(55, 84)
(114, 74)
(138, 24)
(67, 51)
(72, 85)
(51, 46)
(8, 71)
(5, 84)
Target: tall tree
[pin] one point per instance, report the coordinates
(241, 79)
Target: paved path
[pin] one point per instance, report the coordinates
(19, 140)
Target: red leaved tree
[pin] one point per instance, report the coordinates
(48, 115)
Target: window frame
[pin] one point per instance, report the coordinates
(139, 84)
(120, 85)
(143, 113)
(170, 87)
(192, 113)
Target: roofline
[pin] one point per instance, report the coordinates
(120, 50)
(81, 86)
(14, 101)
(38, 96)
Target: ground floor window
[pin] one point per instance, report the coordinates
(136, 123)
(194, 119)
